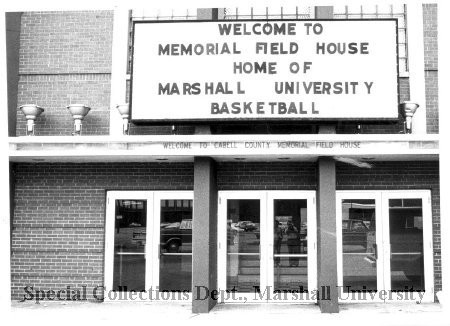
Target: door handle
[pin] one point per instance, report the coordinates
(376, 251)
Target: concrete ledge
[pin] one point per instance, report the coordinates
(222, 147)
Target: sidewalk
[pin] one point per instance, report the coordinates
(127, 313)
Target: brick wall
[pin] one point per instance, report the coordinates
(430, 25)
(431, 66)
(65, 57)
(399, 176)
(59, 216)
(55, 92)
(266, 176)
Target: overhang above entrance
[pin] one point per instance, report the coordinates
(183, 148)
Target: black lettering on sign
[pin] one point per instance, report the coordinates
(348, 144)
(168, 89)
(342, 48)
(264, 67)
(257, 28)
(177, 145)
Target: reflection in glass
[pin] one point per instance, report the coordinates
(406, 238)
(359, 245)
(290, 244)
(175, 270)
(175, 273)
(243, 240)
(129, 245)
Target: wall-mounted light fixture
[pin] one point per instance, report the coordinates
(31, 112)
(124, 110)
(407, 109)
(78, 112)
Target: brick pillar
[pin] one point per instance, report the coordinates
(326, 234)
(326, 214)
(204, 235)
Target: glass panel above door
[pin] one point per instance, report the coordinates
(359, 248)
(406, 238)
(243, 244)
(129, 245)
(175, 263)
(290, 247)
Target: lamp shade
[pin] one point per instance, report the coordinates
(78, 111)
(407, 108)
(31, 111)
(124, 110)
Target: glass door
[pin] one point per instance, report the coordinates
(172, 227)
(266, 243)
(384, 241)
(359, 237)
(291, 244)
(127, 254)
(239, 232)
(148, 243)
(408, 244)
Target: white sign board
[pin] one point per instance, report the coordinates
(265, 70)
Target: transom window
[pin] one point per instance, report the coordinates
(288, 12)
(397, 11)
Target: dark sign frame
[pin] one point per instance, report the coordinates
(219, 121)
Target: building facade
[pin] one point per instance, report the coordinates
(287, 208)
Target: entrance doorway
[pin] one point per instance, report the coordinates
(148, 243)
(384, 242)
(267, 244)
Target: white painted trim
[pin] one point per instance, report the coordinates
(425, 195)
(216, 138)
(355, 194)
(416, 65)
(266, 237)
(118, 68)
(222, 236)
(309, 196)
(156, 219)
(148, 147)
(382, 219)
(152, 243)
(111, 197)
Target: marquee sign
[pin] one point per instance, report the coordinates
(264, 70)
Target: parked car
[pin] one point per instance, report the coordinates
(354, 233)
(175, 235)
(246, 226)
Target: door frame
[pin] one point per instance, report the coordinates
(427, 225)
(153, 234)
(222, 243)
(157, 196)
(266, 198)
(382, 206)
(310, 197)
(356, 194)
